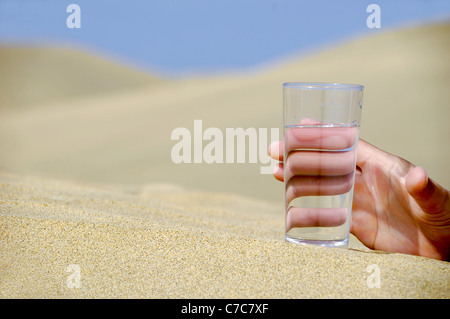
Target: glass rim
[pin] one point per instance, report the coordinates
(323, 85)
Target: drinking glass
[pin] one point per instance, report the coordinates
(321, 129)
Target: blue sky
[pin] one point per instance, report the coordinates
(178, 37)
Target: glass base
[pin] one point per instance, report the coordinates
(326, 243)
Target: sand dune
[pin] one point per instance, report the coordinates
(166, 242)
(124, 136)
(88, 182)
(31, 75)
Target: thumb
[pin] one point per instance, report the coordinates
(430, 196)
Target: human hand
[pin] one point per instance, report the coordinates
(396, 207)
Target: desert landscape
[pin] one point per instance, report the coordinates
(87, 177)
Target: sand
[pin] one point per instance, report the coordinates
(122, 136)
(92, 206)
(162, 241)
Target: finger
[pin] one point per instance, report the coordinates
(416, 181)
(319, 163)
(315, 217)
(278, 172)
(430, 196)
(312, 137)
(366, 152)
(276, 150)
(318, 186)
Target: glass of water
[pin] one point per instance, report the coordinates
(321, 129)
